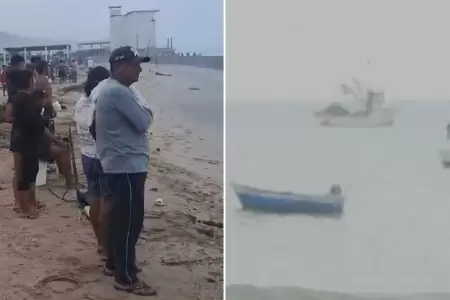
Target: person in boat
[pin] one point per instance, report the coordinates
(336, 190)
(369, 102)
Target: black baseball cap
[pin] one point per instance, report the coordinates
(126, 53)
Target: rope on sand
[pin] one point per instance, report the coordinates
(78, 185)
(63, 196)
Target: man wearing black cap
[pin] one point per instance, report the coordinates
(122, 118)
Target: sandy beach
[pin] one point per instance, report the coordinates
(181, 245)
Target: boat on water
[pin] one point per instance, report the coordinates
(383, 117)
(373, 115)
(261, 200)
(445, 153)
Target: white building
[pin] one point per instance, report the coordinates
(135, 28)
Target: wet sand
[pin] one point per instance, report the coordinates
(181, 245)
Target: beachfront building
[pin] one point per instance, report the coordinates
(47, 52)
(98, 50)
(4, 57)
(136, 28)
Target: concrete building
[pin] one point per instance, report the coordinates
(98, 50)
(135, 28)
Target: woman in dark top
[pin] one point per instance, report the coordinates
(28, 134)
(29, 130)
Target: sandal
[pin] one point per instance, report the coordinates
(138, 288)
(16, 209)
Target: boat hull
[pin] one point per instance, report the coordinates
(381, 118)
(288, 203)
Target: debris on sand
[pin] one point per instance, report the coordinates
(162, 74)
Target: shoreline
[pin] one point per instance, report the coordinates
(180, 248)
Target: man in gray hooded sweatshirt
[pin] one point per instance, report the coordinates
(121, 121)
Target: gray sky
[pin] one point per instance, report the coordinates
(304, 49)
(195, 25)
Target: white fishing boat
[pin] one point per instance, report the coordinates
(372, 115)
(380, 118)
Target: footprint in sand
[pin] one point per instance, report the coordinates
(58, 284)
(70, 260)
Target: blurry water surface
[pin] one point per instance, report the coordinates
(394, 236)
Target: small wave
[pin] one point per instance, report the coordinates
(250, 292)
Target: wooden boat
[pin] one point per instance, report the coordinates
(289, 203)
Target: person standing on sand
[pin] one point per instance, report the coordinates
(74, 71)
(90, 63)
(120, 127)
(3, 79)
(100, 208)
(49, 150)
(30, 129)
(17, 63)
(63, 70)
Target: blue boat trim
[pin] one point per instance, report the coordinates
(285, 202)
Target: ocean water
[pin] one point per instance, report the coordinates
(201, 110)
(394, 236)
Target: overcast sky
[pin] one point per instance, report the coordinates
(195, 25)
(301, 49)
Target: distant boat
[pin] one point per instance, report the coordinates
(383, 117)
(289, 203)
(374, 115)
(445, 153)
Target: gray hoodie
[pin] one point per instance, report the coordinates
(122, 119)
